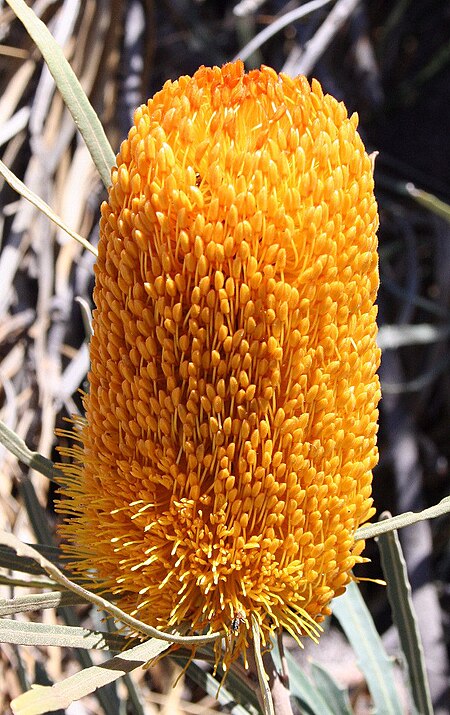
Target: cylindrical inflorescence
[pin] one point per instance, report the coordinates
(230, 434)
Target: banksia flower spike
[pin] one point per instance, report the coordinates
(226, 457)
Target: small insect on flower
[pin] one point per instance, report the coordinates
(238, 620)
(226, 457)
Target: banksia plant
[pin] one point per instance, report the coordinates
(225, 461)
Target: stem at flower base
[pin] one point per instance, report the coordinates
(272, 692)
(284, 672)
(279, 690)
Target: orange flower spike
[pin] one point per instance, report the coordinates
(231, 423)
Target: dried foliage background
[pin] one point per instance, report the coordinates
(390, 61)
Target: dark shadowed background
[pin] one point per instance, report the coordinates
(390, 62)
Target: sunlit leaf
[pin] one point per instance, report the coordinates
(357, 623)
(404, 616)
(71, 90)
(45, 634)
(42, 699)
(40, 204)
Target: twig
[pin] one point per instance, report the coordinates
(406, 519)
(324, 35)
(278, 25)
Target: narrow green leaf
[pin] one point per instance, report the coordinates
(301, 687)
(15, 582)
(27, 633)
(399, 595)
(38, 601)
(330, 690)
(42, 699)
(242, 688)
(36, 513)
(212, 687)
(40, 204)
(136, 699)
(36, 461)
(10, 560)
(431, 202)
(368, 531)
(355, 619)
(71, 90)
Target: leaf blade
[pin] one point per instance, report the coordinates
(400, 598)
(37, 602)
(71, 90)
(332, 692)
(36, 461)
(40, 204)
(44, 634)
(355, 619)
(44, 698)
(304, 690)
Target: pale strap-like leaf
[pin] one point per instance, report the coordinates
(356, 621)
(44, 698)
(40, 204)
(71, 90)
(307, 693)
(330, 690)
(17, 446)
(37, 601)
(404, 616)
(46, 634)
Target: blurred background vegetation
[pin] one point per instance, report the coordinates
(389, 60)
